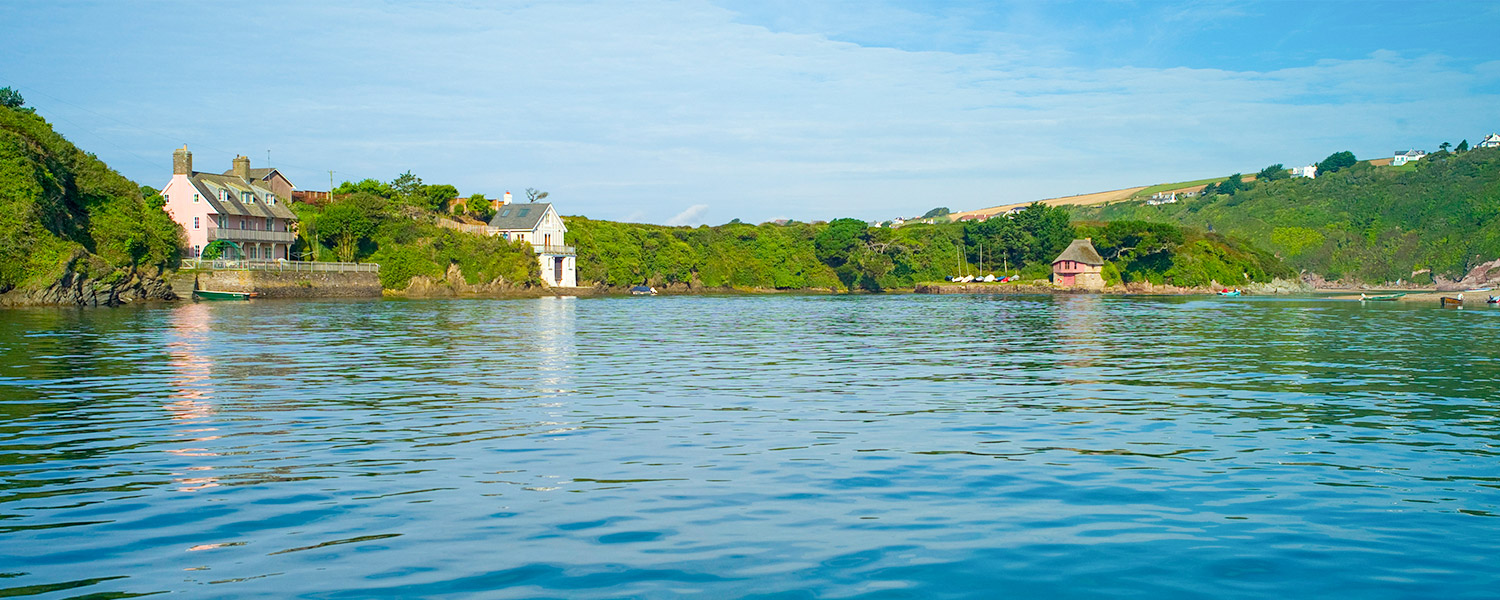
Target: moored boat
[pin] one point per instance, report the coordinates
(1449, 301)
(1229, 293)
(1386, 298)
(214, 295)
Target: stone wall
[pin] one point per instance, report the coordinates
(274, 284)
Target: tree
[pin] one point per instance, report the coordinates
(1234, 184)
(10, 98)
(1444, 146)
(1337, 161)
(479, 206)
(345, 224)
(368, 186)
(407, 186)
(837, 242)
(1463, 146)
(439, 196)
(535, 195)
(941, 211)
(1209, 190)
(1273, 173)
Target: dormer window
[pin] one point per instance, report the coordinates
(271, 199)
(247, 197)
(224, 195)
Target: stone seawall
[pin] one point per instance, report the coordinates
(273, 284)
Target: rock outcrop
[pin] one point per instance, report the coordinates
(75, 289)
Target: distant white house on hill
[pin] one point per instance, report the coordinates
(1490, 141)
(537, 223)
(1309, 171)
(1402, 158)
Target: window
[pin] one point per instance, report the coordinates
(247, 197)
(505, 213)
(270, 225)
(522, 214)
(196, 252)
(242, 224)
(195, 222)
(222, 221)
(271, 199)
(195, 198)
(224, 195)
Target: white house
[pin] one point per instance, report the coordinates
(1490, 141)
(538, 223)
(1406, 157)
(1309, 171)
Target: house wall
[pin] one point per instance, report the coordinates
(179, 194)
(1077, 275)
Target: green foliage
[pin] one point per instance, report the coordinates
(842, 254)
(479, 206)
(61, 206)
(1233, 185)
(438, 197)
(12, 99)
(1162, 253)
(836, 243)
(941, 211)
(367, 186)
(347, 222)
(1373, 224)
(1463, 146)
(401, 234)
(1274, 172)
(1337, 162)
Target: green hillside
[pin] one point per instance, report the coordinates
(845, 254)
(62, 211)
(1367, 223)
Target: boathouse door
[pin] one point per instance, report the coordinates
(557, 269)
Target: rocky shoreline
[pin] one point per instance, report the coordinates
(74, 289)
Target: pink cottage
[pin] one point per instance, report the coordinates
(245, 206)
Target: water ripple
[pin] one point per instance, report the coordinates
(780, 446)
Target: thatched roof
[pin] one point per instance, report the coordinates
(1081, 251)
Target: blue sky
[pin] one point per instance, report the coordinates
(689, 112)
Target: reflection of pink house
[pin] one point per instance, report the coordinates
(245, 206)
(1080, 266)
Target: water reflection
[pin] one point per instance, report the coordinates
(191, 360)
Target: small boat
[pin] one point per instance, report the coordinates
(1477, 290)
(1386, 298)
(1492, 300)
(212, 295)
(1229, 293)
(1447, 301)
(642, 290)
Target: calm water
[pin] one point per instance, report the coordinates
(797, 447)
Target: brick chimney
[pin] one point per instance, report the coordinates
(182, 161)
(242, 167)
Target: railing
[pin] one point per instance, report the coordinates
(222, 264)
(251, 235)
(545, 249)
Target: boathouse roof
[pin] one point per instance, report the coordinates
(1081, 251)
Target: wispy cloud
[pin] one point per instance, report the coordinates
(693, 215)
(627, 111)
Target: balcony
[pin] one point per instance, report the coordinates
(251, 235)
(563, 250)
